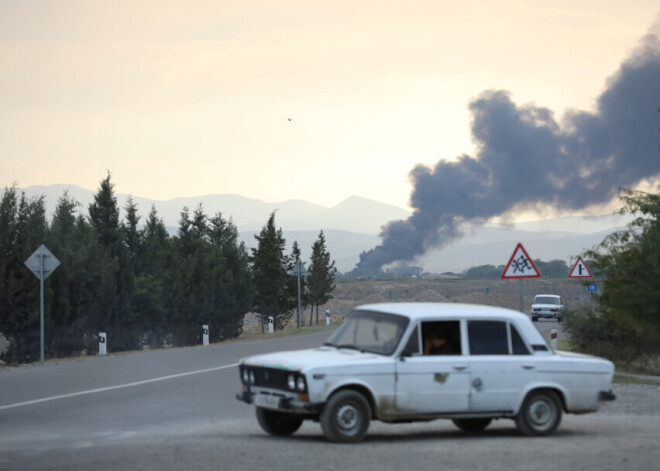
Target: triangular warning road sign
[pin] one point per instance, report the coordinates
(521, 265)
(580, 270)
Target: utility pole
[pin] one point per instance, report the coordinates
(298, 271)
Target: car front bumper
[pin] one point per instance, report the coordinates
(545, 314)
(278, 401)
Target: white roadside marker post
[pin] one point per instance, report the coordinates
(327, 317)
(102, 343)
(205, 334)
(270, 324)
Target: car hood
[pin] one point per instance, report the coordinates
(300, 360)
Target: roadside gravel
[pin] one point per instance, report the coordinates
(637, 399)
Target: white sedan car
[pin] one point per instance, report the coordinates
(547, 306)
(405, 362)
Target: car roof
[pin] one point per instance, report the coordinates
(425, 311)
(416, 311)
(549, 295)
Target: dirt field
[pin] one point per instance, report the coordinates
(503, 293)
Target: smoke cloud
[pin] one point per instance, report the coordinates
(526, 158)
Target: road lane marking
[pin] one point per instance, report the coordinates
(118, 386)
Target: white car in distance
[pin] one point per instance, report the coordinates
(404, 362)
(547, 306)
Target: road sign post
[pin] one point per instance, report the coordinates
(298, 271)
(42, 263)
(580, 270)
(521, 266)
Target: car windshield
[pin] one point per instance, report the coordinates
(369, 331)
(546, 300)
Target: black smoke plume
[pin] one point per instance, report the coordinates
(526, 159)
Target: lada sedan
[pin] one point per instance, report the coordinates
(547, 306)
(405, 362)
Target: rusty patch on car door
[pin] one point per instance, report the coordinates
(440, 377)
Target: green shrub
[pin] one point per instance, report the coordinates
(621, 339)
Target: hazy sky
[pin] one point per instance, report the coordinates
(192, 98)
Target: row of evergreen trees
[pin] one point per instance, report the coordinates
(136, 282)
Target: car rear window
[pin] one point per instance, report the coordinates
(546, 300)
(488, 338)
(492, 338)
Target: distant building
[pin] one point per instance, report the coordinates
(406, 272)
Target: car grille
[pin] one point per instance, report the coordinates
(270, 377)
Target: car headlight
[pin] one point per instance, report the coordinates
(296, 383)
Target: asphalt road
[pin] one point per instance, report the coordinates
(175, 409)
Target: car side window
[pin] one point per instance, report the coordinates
(488, 338)
(412, 346)
(517, 343)
(441, 338)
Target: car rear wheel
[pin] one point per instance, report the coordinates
(540, 414)
(345, 417)
(472, 425)
(278, 423)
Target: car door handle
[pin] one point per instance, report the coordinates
(460, 367)
(528, 367)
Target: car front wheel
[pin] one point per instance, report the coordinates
(345, 417)
(540, 414)
(278, 423)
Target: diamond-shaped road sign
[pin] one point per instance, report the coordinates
(580, 270)
(521, 265)
(42, 262)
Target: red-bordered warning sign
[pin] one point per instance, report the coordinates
(521, 265)
(580, 270)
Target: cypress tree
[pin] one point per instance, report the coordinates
(269, 269)
(320, 276)
(232, 286)
(22, 230)
(117, 318)
(152, 275)
(67, 329)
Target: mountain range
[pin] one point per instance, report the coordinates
(353, 225)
